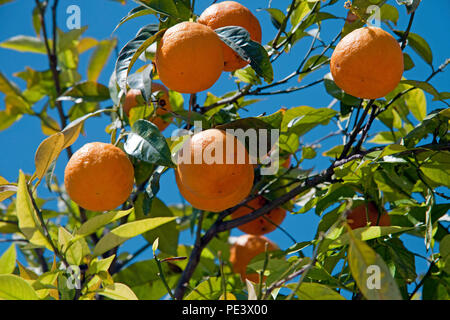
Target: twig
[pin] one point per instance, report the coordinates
(405, 35)
(221, 226)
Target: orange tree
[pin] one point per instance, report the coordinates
(406, 176)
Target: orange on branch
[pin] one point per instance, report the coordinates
(260, 225)
(367, 63)
(231, 13)
(163, 105)
(99, 177)
(209, 175)
(244, 250)
(367, 213)
(189, 57)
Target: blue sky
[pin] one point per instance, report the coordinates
(20, 141)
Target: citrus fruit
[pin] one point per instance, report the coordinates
(244, 250)
(361, 215)
(260, 225)
(189, 57)
(209, 175)
(367, 63)
(231, 13)
(99, 176)
(163, 105)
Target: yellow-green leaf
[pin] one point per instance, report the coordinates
(48, 150)
(95, 223)
(8, 260)
(25, 273)
(315, 291)
(13, 287)
(118, 291)
(6, 189)
(370, 272)
(28, 219)
(127, 231)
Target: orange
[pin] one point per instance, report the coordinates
(231, 13)
(287, 163)
(357, 218)
(367, 63)
(244, 250)
(163, 102)
(99, 176)
(204, 176)
(189, 57)
(260, 225)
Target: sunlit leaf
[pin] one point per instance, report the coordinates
(13, 287)
(127, 231)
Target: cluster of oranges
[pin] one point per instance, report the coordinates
(190, 56)
(367, 63)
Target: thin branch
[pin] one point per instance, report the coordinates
(405, 35)
(221, 226)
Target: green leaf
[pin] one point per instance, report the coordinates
(370, 272)
(389, 13)
(426, 87)
(88, 91)
(2, 2)
(99, 58)
(6, 189)
(408, 62)
(47, 152)
(311, 63)
(127, 231)
(8, 260)
(210, 289)
(167, 233)
(146, 143)
(118, 291)
(368, 233)
(99, 221)
(437, 169)
(132, 50)
(142, 277)
(73, 129)
(238, 39)
(247, 75)
(338, 93)
(74, 252)
(134, 13)
(276, 17)
(28, 220)
(13, 287)
(315, 291)
(419, 45)
(24, 44)
(166, 7)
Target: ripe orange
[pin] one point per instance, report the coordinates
(367, 63)
(99, 176)
(163, 101)
(206, 183)
(231, 13)
(244, 250)
(357, 218)
(260, 225)
(287, 163)
(189, 57)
